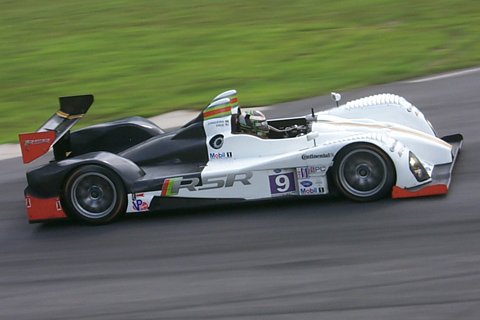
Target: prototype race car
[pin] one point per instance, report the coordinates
(365, 149)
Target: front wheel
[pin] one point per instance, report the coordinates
(363, 172)
(94, 194)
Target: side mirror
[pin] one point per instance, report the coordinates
(336, 97)
(312, 135)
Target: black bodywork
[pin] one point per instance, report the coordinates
(134, 148)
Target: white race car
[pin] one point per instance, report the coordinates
(366, 149)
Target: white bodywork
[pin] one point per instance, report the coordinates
(250, 167)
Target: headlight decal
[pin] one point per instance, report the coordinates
(417, 168)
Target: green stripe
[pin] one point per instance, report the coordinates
(217, 115)
(170, 185)
(217, 107)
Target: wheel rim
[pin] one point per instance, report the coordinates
(363, 173)
(93, 195)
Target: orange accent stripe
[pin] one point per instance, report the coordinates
(167, 184)
(164, 187)
(424, 135)
(398, 192)
(76, 116)
(68, 116)
(208, 114)
(62, 114)
(234, 100)
(217, 115)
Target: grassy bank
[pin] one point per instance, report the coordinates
(148, 57)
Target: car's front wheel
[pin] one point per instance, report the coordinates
(363, 172)
(94, 194)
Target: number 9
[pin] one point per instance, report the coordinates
(282, 182)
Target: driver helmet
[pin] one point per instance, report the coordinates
(253, 122)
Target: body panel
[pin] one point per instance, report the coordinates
(212, 160)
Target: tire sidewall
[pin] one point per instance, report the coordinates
(115, 212)
(390, 172)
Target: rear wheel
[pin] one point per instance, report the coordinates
(363, 172)
(94, 194)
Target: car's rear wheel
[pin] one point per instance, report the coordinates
(363, 172)
(94, 194)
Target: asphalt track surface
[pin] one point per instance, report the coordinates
(323, 258)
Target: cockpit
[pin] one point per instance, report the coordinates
(254, 122)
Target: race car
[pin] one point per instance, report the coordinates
(365, 150)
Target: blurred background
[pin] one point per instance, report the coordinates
(149, 57)
(307, 259)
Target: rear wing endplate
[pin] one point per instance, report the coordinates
(72, 109)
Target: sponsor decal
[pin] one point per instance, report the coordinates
(305, 172)
(36, 141)
(172, 187)
(302, 173)
(306, 183)
(139, 205)
(28, 202)
(168, 185)
(219, 123)
(217, 141)
(58, 205)
(314, 185)
(316, 169)
(33, 145)
(317, 156)
(220, 155)
(137, 195)
(310, 191)
(282, 184)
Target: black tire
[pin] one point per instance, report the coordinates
(94, 194)
(363, 172)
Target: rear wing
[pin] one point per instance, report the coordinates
(72, 109)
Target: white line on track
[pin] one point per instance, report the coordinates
(11, 150)
(446, 75)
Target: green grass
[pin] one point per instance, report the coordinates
(149, 57)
